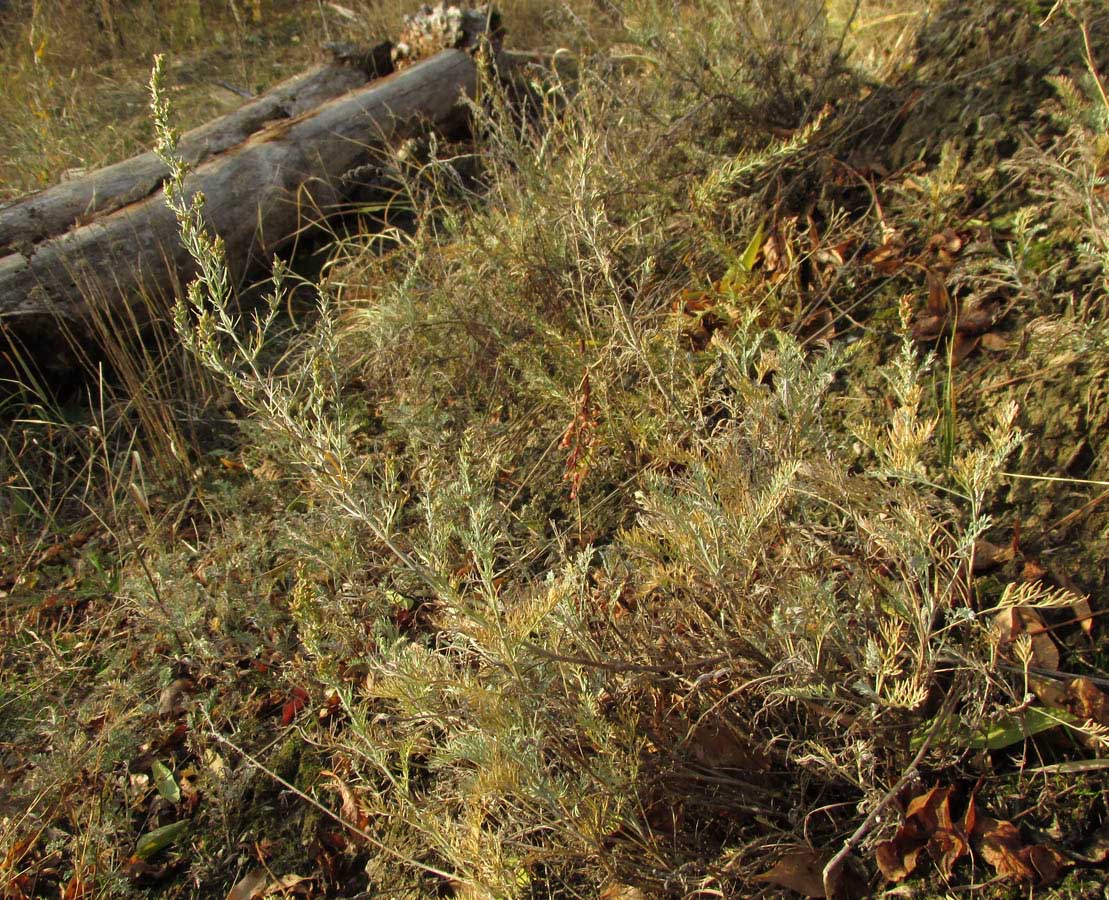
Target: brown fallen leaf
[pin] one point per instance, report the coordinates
(977, 316)
(1011, 623)
(79, 887)
(1049, 691)
(172, 700)
(947, 847)
(352, 810)
(1083, 613)
(886, 259)
(1048, 862)
(897, 858)
(819, 326)
(1032, 570)
(928, 826)
(717, 745)
(995, 342)
(963, 345)
(800, 870)
(249, 886)
(1000, 844)
(988, 556)
(1087, 701)
(932, 809)
(939, 300)
(928, 328)
(946, 241)
(288, 885)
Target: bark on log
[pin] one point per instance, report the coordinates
(50, 212)
(259, 194)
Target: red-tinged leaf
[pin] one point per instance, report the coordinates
(931, 810)
(800, 870)
(296, 702)
(79, 887)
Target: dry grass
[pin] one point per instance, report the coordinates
(620, 528)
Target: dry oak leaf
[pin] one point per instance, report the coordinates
(800, 870)
(928, 826)
(719, 746)
(999, 843)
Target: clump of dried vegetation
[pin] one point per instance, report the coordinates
(701, 495)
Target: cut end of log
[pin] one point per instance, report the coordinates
(446, 26)
(376, 62)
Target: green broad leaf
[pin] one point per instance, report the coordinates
(154, 842)
(739, 269)
(1015, 728)
(165, 782)
(747, 261)
(1004, 733)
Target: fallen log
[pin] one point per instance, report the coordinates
(260, 194)
(54, 210)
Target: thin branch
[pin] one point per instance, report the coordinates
(312, 801)
(832, 869)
